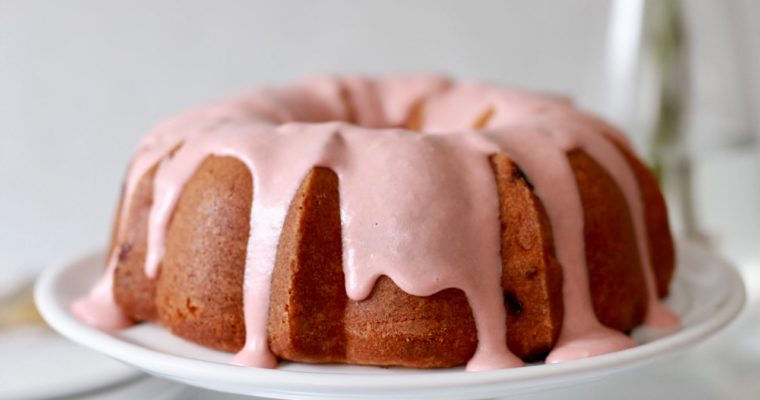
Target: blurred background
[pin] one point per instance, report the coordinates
(82, 80)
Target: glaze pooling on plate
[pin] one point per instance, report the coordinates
(434, 173)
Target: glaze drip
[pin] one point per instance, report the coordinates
(281, 133)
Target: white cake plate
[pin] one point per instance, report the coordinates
(707, 294)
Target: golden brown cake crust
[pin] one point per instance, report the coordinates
(391, 327)
(616, 277)
(308, 296)
(661, 247)
(134, 292)
(200, 284)
(531, 277)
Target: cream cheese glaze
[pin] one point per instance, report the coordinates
(441, 177)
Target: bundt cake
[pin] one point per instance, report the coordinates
(406, 221)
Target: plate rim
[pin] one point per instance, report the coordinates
(271, 381)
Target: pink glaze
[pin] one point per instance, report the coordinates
(537, 132)
(399, 95)
(377, 218)
(318, 96)
(461, 106)
(364, 101)
(276, 176)
(429, 230)
(609, 157)
(98, 308)
(544, 162)
(399, 227)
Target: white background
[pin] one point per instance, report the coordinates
(81, 81)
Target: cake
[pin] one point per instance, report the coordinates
(403, 221)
